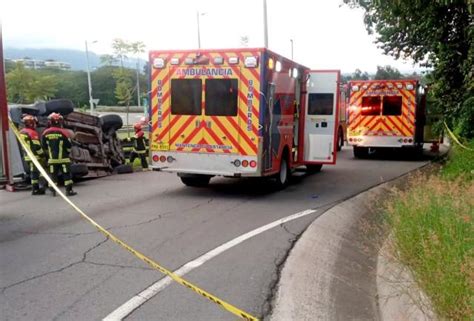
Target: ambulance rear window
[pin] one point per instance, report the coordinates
(186, 96)
(392, 105)
(370, 106)
(320, 104)
(221, 97)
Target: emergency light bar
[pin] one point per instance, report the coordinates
(233, 60)
(159, 63)
(251, 62)
(189, 61)
(410, 87)
(295, 73)
(218, 60)
(278, 66)
(174, 61)
(399, 86)
(355, 88)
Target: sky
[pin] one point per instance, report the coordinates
(326, 34)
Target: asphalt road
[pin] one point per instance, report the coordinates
(56, 266)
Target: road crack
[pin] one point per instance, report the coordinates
(82, 260)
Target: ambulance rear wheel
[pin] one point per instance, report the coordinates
(196, 181)
(283, 177)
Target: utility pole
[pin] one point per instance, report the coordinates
(91, 102)
(291, 40)
(138, 82)
(199, 31)
(265, 24)
(6, 170)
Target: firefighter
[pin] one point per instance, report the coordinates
(31, 138)
(56, 141)
(139, 146)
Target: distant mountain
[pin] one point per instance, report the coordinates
(77, 58)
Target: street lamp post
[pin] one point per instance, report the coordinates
(89, 82)
(265, 24)
(199, 27)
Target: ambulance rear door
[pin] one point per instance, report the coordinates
(321, 117)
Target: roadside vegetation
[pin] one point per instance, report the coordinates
(432, 221)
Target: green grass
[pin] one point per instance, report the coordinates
(432, 220)
(460, 163)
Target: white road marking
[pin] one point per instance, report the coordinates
(128, 307)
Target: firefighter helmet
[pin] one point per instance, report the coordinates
(30, 121)
(137, 127)
(55, 119)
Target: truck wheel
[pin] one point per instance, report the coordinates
(79, 170)
(314, 168)
(111, 121)
(361, 152)
(124, 169)
(60, 106)
(283, 177)
(196, 181)
(340, 139)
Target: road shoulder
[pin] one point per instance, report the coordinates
(332, 272)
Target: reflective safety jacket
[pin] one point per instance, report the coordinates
(31, 138)
(56, 141)
(139, 143)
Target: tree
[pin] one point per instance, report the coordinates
(18, 81)
(356, 75)
(108, 60)
(121, 49)
(387, 72)
(137, 48)
(26, 85)
(435, 33)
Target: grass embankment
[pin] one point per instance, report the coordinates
(432, 221)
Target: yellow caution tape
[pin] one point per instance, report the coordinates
(223, 304)
(455, 138)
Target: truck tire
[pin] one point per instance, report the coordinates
(124, 169)
(361, 152)
(311, 169)
(111, 121)
(79, 170)
(196, 181)
(60, 106)
(282, 179)
(340, 139)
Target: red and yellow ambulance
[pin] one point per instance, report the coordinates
(385, 114)
(239, 113)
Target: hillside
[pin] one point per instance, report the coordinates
(77, 58)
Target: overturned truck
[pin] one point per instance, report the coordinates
(96, 150)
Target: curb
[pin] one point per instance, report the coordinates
(332, 273)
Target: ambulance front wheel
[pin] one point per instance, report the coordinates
(282, 179)
(196, 180)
